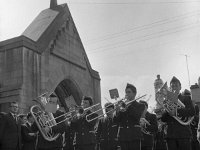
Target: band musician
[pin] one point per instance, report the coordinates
(60, 128)
(84, 138)
(128, 118)
(149, 127)
(198, 132)
(160, 143)
(107, 129)
(178, 136)
(194, 127)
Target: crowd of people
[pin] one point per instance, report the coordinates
(126, 125)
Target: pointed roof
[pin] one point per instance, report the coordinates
(40, 24)
(46, 27)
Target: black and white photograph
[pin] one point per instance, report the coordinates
(99, 74)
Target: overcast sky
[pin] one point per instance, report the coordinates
(126, 41)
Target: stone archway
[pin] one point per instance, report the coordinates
(68, 88)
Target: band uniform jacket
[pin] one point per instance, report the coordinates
(84, 130)
(174, 129)
(27, 140)
(151, 130)
(106, 133)
(194, 127)
(58, 129)
(129, 127)
(69, 137)
(160, 142)
(10, 132)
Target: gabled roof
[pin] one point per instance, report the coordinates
(40, 24)
(43, 32)
(45, 26)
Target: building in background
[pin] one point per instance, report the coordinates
(47, 57)
(158, 83)
(195, 91)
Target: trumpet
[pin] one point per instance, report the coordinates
(122, 104)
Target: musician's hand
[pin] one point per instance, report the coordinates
(173, 112)
(32, 134)
(121, 106)
(144, 122)
(47, 129)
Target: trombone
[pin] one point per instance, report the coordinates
(123, 106)
(68, 115)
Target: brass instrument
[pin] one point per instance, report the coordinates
(169, 101)
(122, 104)
(81, 112)
(44, 119)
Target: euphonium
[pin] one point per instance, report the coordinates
(169, 101)
(44, 119)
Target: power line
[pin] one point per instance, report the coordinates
(140, 39)
(147, 26)
(148, 48)
(134, 3)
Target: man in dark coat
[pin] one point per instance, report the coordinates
(28, 136)
(178, 136)
(160, 143)
(130, 134)
(149, 128)
(10, 129)
(84, 130)
(69, 137)
(107, 129)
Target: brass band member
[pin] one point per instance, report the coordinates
(178, 136)
(198, 132)
(149, 127)
(84, 131)
(194, 126)
(57, 144)
(107, 129)
(69, 137)
(130, 132)
(160, 143)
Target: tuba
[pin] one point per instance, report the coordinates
(44, 119)
(168, 100)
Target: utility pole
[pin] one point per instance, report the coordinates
(186, 57)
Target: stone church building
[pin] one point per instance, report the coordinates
(48, 57)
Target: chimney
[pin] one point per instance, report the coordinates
(53, 3)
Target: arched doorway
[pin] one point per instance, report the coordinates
(68, 88)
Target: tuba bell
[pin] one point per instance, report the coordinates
(168, 100)
(44, 119)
